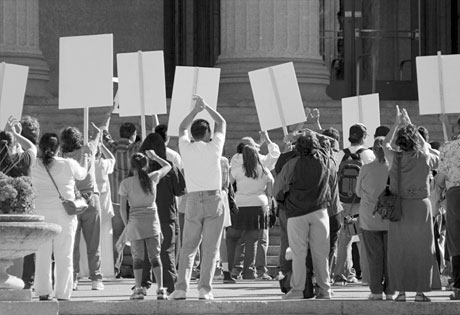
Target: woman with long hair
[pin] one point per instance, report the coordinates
(143, 225)
(169, 187)
(48, 167)
(411, 251)
(372, 180)
(254, 185)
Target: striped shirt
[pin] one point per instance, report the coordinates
(122, 150)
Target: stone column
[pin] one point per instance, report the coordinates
(19, 42)
(261, 33)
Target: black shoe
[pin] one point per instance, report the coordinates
(44, 298)
(228, 278)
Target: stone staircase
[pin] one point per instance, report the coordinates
(273, 250)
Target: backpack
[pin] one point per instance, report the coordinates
(348, 175)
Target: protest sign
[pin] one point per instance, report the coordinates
(141, 88)
(277, 97)
(187, 82)
(85, 73)
(13, 81)
(364, 109)
(438, 88)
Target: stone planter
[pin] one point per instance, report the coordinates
(20, 235)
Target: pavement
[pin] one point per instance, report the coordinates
(244, 297)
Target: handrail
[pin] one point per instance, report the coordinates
(401, 66)
(358, 71)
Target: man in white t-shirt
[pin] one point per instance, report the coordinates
(343, 266)
(204, 214)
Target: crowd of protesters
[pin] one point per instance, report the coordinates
(172, 207)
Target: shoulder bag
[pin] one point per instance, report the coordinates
(72, 207)
(389, 204)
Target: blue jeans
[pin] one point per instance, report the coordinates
(89, 222)
(204, 222)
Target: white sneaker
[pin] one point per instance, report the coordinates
(138, 294)
(177, 295)
(97, 285)
(205, 295)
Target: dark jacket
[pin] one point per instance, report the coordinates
(303, 184)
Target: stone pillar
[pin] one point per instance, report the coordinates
(19, 42)
(261, 33)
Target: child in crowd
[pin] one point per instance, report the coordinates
(143, 226)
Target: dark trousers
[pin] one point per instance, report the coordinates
(456, 271)
(28, 270)
(335, 223)
(167, 256)
(234, 239)
(375, 243)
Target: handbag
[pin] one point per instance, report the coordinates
(351, 225)
(389, 204)
(72, 207)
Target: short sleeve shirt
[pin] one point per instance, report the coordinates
(201, 161)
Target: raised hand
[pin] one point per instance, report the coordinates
(200, 104)
(405, 117)
(398, 119)
(14, 125)
(315, 113)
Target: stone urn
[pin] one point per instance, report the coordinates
(20, 235)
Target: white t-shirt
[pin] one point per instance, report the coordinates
(175, 158)
(251, 192)
(64, 171)
(201, 161)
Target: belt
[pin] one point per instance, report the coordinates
(206, 192)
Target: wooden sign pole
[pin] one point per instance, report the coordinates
(278, 101)
(86, 124)
(141, 94)
(441, 94)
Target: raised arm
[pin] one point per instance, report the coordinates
(221, 124)
(96, 134)
(199, 106)
(15, 126)
(388, 143)
(165, 166)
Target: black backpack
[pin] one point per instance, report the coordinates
(348, 175)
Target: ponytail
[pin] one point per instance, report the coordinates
(139, 162)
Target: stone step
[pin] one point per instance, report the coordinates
(273, 250)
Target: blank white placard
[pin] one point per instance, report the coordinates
(273, 85)
(85, 71)
(154, 86)
(189, 81)
(429, 84)
(364, 109)
(13, 82)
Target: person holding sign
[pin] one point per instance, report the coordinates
(204, 215)
(449, 169)
(411, 251)
(89, 222)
